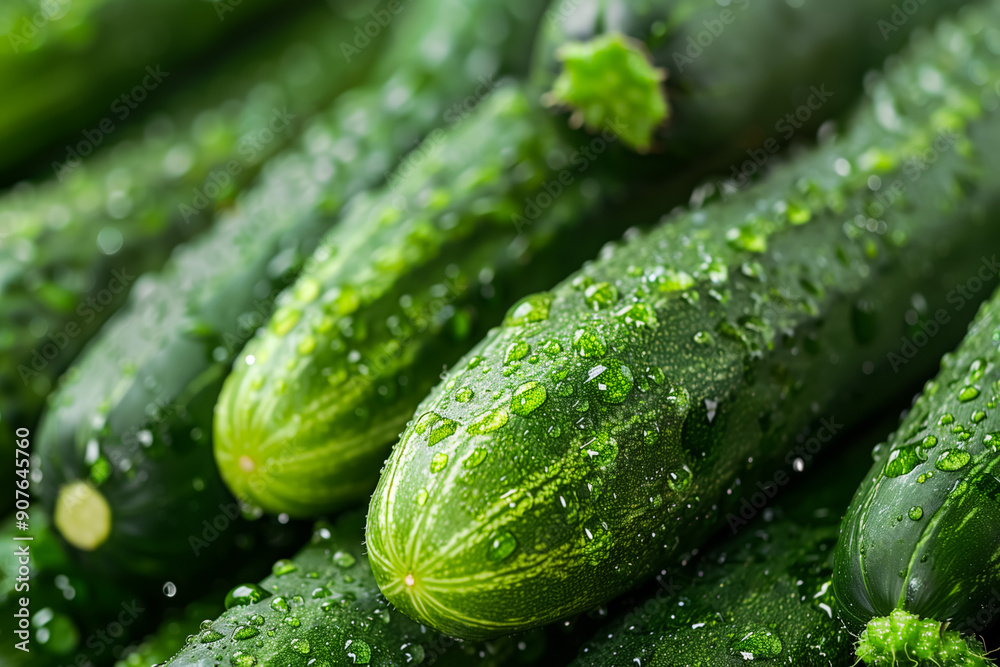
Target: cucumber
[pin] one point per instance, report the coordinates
(762, 595)
(616, 418)
(125, 446)
(72, 65)
(664, 68)
(67, 263)
(396, 293)
(917, 565)
(323, 605)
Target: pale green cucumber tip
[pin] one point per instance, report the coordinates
(83, 515)
(610, 84)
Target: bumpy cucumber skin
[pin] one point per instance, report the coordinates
(52, 269)
(682, 363)
(363, 335)
(786, 53)
(68, 63)
(324, 605)
(763, 593)
(940, 559)
(137, 404)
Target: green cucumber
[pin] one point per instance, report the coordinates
(396, 293)
(630, 404)
(69, 66)
(71, 248)
(125, 446)
(170, 637)
(918, 564)
(664, 68)
(762, 595)
(323, 608)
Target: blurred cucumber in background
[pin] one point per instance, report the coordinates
(71, 248)
(66, 65)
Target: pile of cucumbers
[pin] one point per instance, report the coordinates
(502, 332)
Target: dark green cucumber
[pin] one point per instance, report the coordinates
(170, 637)
(323, 608)
(397, 292)
(920, 549)
(763, 595)
(689, 98)
(71, 248)
(73, 64)
(125, 446)
(630, 403)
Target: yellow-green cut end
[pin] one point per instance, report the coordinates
(610, 84)
(83, 516)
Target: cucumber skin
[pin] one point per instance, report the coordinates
(156, 370)
(72, 71)
(771, 578)
(348, 410)
(713, 103)
(759, 394)
(48, 269)
(949, 553)
(333, 595)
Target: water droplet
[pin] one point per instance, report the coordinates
(903, 460)
(477, 456)
(464, 395)
(750, 236)
(307, 345)
(170, 589)
(946, 419)
(758, 645)
(279, 604)
(422, 496)
(210, 636)
(292, 621)
(612, 381)
(343, 560)
(257, 620)
(358, 651)
(245, 594)
(435, 426)
(680, 480)
(703, 338)
(952, 459)
(929, 442)
(473, 362)
(439, 462)
(244, 632)
(589, 343)
(552, 348)
(516, 351)
(674, 281)
(528, 398)
(601, 450)
(488, 422)
(968, 394)
(978, 416)
(638, 315)
(307, 289)
(600, 295)
(916, 513)
(283, 567)
(501, 544)
(241, 659)
(301, 645)
(532, 308)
